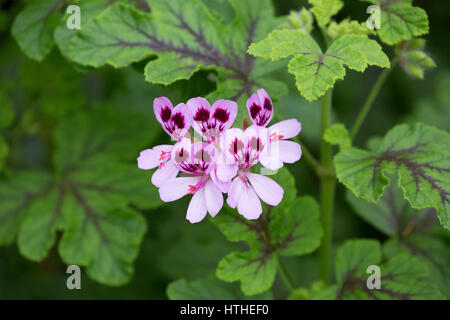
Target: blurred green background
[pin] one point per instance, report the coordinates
(43, 93)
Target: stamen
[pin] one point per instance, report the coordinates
(162, 155)
(275, 137)
(192, 189)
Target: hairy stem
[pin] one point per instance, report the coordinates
(370, 100)
(285, 275)
(327, 187)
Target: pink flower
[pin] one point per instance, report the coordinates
(281, 150)
(196, 159)
(175, 121)
(240, 151)
(209, 121)
(159, 157)
(260, 110)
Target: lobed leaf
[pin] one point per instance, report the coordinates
(325, 9)
(417, 153)
(34, 26)
(338, 134)
(315, 71)
(401, 277)
(412, 231)
(87, 198)
(291, 228)
(400, 20)
(254, 269)
(184, 35)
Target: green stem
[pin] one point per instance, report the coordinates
(312, 161)
(327, 188)
(285, 275)
(370, 100)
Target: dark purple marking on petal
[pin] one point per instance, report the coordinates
(202, 115)
(236, 146)
(165, 114)
(254, 110)
(178, 120)
(255, 144)
(267, 104)
(181, 155)
(222, 115)
(202, 155)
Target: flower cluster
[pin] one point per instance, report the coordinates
(221, 163)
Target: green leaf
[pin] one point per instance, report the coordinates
(412, 231)
(301, 20)
(314, 70)
(4, 149)
(391, 214)
(420, 157)
(290, 229)
(97, 134)
(254, 269)
(400, 20)
(169, 68)
(6, 112)
(207, 289)
(16, 194)
(347, 26)
(88, 9)
(184, 35)
(325, 9)
(430, 245)
(338, 134)
(401, 277)
(33, 27)
(88, 198)
(355, 256)
(413, 59)
(300, 231)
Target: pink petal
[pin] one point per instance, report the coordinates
(232, 144)
(257, 141)
(289, 151)
(268, 190)
(270, 159)
(223, 186)
(224, 113)
(214, 198)
(226, 172)
(286, 129)
(201, 110)
(150, 158)
(177, 188)
(163, 109)
(181, 121)
(197, 207)
(235, 192)
(249, 205)
(193, 158)
(260, 108)
(166, 173)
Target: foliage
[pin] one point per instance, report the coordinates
(75, 110)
